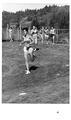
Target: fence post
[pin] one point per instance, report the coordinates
(7, 34)
(18, 34)
(57, 35)
(20, 31)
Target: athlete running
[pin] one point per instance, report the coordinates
(28, 49)
(34, 34)
(52, 33)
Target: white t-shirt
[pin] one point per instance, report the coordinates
(46, 31)
(10, 31)
(52, 31)
(34, 31)
(27, 38)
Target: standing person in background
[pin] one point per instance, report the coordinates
(10, 34)
(34, 32)
(52, 34)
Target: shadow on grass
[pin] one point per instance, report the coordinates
(33, 67)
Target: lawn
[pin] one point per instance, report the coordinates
(49, 78)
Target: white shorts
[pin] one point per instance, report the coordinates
(29, 51)
(35, 38)
(46, 36)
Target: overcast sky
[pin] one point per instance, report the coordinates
(13, 7)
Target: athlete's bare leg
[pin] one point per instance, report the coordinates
(53, 39)
(26, 63)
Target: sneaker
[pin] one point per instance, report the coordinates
(35, 49)
(27, 72)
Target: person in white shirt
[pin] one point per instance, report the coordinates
(52, 33)
(46, 31)
(34, 34)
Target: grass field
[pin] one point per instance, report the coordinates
(49, 78)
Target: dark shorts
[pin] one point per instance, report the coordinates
(28, 47)
(51, 35)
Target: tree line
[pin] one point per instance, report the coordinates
(56, 16)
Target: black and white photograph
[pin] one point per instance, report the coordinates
(35, 53)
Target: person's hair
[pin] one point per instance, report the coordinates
(25, 29)
(10, 27)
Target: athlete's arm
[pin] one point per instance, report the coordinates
(21, 42)
(31, 40)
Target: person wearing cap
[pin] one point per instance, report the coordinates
(28, 49)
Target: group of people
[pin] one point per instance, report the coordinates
(44, 34)
(47, 34)
(30, 40)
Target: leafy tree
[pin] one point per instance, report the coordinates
(48, 16)
(60, 18)
(35, 22)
